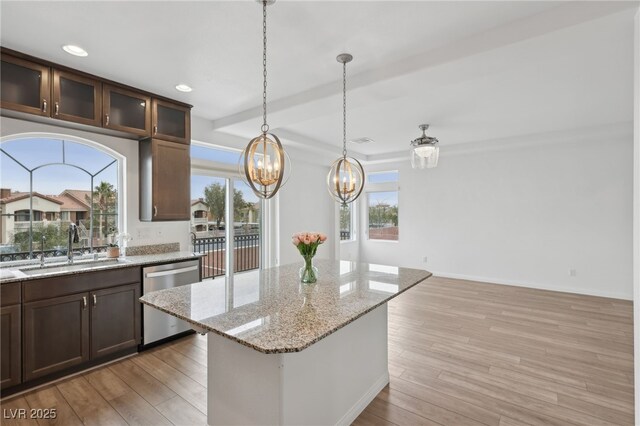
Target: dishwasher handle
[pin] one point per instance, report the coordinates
(171, 272)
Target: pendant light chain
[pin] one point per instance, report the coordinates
(344, 109)
(265, 126)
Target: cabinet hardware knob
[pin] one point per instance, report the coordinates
(44, 105)
(84, 302)
(57, 110)
(155, 130)
(155, 211)
(95, 300)
(106, 119)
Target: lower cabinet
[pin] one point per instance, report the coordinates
(10, 335)
(115, 319)
(10, 346)
(72, 320)
(56, 334)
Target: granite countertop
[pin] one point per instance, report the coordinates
(272, 312)
(11, 272)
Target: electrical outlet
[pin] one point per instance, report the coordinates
(424, 259)
(572, 272)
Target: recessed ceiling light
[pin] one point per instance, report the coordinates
(74, 50)
(183, 88)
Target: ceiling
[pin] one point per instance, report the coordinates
(475, 71)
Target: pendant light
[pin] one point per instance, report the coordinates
(264, 159)
(345, 180)
(424, 150)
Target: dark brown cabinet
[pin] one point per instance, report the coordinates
(10, 336)
(165, 180)
(25, 86)
(115, 319)
(76, 98)
(171, 122)
(56, 334)
(126, 110)
(71, 320)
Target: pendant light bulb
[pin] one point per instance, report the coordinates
(263, 162)
(346, 177)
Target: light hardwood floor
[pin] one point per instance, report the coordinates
(460, 353)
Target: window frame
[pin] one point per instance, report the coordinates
(120, 162)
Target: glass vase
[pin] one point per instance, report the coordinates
(308, 273)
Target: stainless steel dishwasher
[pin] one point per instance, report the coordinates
(156, 324)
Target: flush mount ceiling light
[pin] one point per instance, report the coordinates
(362, 140)
(424, 150)
(74, 50)
(346, 177)
(264, 158)
(183, 87)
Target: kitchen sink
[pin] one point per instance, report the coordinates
(79, 265)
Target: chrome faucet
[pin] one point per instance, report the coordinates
(73, 238)
(42, 251)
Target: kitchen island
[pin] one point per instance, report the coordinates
(282, 352)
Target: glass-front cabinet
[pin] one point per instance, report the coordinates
(25, 86)
(76, 98)
(171, 122)
(126, 110)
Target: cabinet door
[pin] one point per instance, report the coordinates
(76, 98)
(10, 346)
(25, 86)
(115, 319)
(126, 110)
(56, 334)
(171, 187)
(171, 122)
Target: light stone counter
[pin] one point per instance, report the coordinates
(272, 312)
(11, 271)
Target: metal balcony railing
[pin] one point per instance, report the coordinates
(60, 251)
(246, 254)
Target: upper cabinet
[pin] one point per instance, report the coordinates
(126, 110)
(25, 86)
(165, 180)
(171, 122)
(34, 86)
(76, 98)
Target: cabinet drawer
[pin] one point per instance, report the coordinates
(77, 283)
(10, 294)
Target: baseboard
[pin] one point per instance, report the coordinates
(363, 402)
(575, 290)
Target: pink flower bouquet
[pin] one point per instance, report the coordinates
(307, 244)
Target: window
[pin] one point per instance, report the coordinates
(347, 228)
(382, 203)
(48, 183)
(211, 178)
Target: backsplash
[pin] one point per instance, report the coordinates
(152, 249)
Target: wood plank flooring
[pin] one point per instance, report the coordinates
(460, 353)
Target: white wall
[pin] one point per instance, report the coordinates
(305, 205)
(142, 232)
(521, 216)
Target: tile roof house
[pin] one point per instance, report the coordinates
(68, 206)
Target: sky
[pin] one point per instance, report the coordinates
(53, 179)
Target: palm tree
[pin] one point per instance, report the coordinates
(103, 195)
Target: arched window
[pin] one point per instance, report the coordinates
(49, 182)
